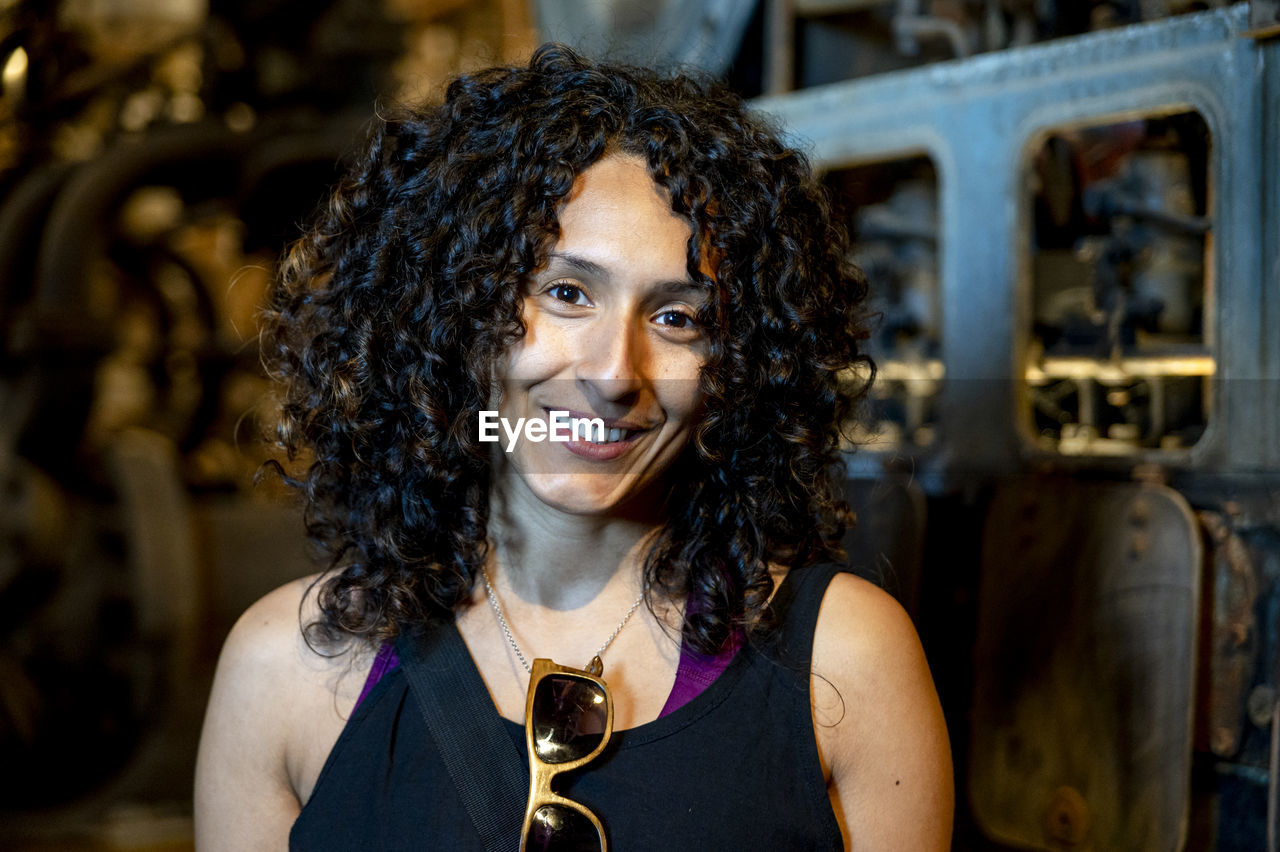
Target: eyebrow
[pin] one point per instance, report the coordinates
(579, 264)
(592, 269)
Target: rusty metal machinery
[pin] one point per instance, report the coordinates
(137, 232)
(1076, 246)
(126, 382)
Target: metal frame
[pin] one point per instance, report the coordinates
(979, 118)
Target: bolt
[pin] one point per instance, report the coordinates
(1240, 634)
(1067, 818)
(1223, 742)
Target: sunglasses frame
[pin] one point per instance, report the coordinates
(542, 773)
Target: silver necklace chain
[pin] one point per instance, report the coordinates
(502, 621)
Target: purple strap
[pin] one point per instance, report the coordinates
(695, 673)
(383, 663)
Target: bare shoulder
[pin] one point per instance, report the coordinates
(265, 653)
(267, 638)
(276, 708)
(879, 726)
(861, 628)
(866, 656)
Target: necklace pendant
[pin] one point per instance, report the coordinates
(595, 668)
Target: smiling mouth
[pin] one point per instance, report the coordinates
(585, 432)
(614, 435)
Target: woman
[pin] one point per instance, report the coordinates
(573, 241)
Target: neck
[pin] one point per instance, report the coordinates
(560, 560)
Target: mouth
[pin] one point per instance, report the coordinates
(609, 435)
(593, 430)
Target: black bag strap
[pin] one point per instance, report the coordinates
(475, 747)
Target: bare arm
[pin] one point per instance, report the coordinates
(274, 713)
(882, 737)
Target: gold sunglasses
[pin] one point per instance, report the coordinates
(568, 719)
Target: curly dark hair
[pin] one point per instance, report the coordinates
(389, 313)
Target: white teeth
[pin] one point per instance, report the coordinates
(585, 430)
(596, 436)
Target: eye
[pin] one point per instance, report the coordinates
(568, 293)
(679, 323)
(676, 319)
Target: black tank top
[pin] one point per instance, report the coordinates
(735, 768)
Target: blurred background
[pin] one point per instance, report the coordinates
(1068, 472)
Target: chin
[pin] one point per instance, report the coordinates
(583, 493)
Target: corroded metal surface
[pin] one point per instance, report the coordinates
(1231, 655)
(1085, 666)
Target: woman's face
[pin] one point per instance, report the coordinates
(609, 333)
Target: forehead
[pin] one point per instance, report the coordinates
(619, 187)
(616, 212)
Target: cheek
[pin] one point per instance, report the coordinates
(686, 401)
(542, 348)
(681, 383)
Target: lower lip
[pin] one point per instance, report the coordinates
(601, 452)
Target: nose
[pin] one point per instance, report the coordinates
(612, 367)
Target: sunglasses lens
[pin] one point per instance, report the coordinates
(559, 829)
(569, 717)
